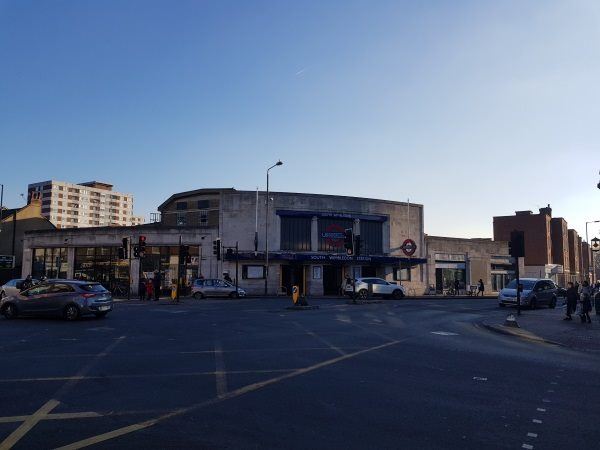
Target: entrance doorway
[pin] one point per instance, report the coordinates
(332, 280)
(292, 275)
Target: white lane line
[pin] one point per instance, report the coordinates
(536, 421)
(541, 409)
(527, 446)
(28, 424)
(532, 435)
(480, 378)
(444, 333)
(550, 390)
(220, 374)
(545, 400)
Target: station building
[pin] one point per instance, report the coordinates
(305, 241)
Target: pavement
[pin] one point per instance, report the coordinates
(249, 373)
(548, 325)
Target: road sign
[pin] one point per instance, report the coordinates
(409, 247)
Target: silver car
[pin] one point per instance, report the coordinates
(380, 288)
(69, 299)
(214, 287)
(535, 292)
(13, 287)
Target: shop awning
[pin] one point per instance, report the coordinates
(328, 258)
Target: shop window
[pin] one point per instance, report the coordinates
(253, 272)
(295, 233)
(402, 274)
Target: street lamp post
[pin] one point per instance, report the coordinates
(587, 240)
(278, 163)
(1, 204)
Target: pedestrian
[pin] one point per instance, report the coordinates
(597, 298)
(27, 283)
(142, 288)
(480, 287)
(572, 297)
(345, 281)
(456, 287)
(227, 278)
(585, 296)
(156, 285)
(149, 289)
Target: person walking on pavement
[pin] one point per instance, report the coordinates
(480, 288)
(142, 289)
(572, 296)
(149, 289)
(227, 278)
(156, 285)
(456, 287)
(586, 302)
(597, 298)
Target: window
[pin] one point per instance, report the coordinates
(203, 217)
(181, 219)
(331, 234)
(181, 206)
(39, 290)
(203, 204)
(295, 233)
(402, 273)
(371, 234)
(253, 272)
(61, 288)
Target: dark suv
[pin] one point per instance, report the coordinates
(70, 299)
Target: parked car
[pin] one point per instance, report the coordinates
(381, 288)
(70, 299)
(13, 287)
(536, 292)
(214, 287)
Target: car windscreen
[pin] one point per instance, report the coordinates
(527, 284)
(92, 287)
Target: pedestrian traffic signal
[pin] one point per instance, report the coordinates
(516, 246)
(123, 250)
(136, 251)
(217, 248)
(142, 246)
(357, 245)
(349, 241)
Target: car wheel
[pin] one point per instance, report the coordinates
(363, 294)
(398, 294)
(234, 295)
(198, 295)
(10, 311)
(533, 304)
(101, 315)
(2, 295)
(71, 312)
(552, 304)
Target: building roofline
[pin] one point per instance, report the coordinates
(232, 190)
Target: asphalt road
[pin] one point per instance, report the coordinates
(251, 374)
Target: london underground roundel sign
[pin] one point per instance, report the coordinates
(409, 247)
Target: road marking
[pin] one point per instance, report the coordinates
(319, 338)
(63, 416)
(550, 390)
(527, 446)
(532, 435)
(480, 378)
(444, 333)
(220, 374)
(230, 395)
(144, 375)
(28, 424)
(536, 421)
(545, 400)
(541, 409)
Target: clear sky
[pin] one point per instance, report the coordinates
(472, 108)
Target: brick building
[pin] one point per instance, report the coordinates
(574, 255)
(560, 247)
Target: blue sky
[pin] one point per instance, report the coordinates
(472, 108)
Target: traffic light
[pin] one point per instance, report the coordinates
(217, 248)
(136, 251)
(357, 245)
(349, 241)
(516, 246)
(123, 250)
(229, 253)
(142, 246)
(184, 254)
